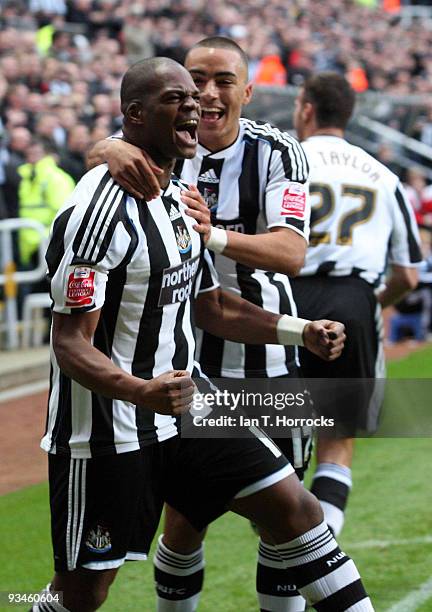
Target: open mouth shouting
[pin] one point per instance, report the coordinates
(211, 115)
(187, 133)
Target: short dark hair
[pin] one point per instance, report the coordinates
(47, 144)
(137, 81)
(333, 98)
(222, 42)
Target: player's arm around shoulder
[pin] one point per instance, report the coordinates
(129, 165)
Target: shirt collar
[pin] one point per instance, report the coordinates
(223, 153)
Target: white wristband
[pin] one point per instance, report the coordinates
(289, 330)
(218, 240)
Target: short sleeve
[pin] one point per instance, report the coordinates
(91, 236)
(208, 279)
(287, 194)
(404, 248)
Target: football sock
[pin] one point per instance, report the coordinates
(46, 604)
(275, 584)
(331, 485)
(178, 579)
(324, 575)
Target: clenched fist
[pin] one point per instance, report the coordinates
(324, 338)
(170, 393)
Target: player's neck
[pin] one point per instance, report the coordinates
(327, 131)
(214, 142)
(165, 164)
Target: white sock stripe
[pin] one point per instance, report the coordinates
(177, 555)
(334, 467)
(305, 538)
(337, 472)
(170, 557)
(338, 579)
(269, 554)
(309, 536)
(169, 560)
(312, 555)
(177, 571)
(272, 563)
(312, 550)
(365, 605)
(287, 603)
(178, 558)
(292, 551)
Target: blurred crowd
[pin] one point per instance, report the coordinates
(61, 62)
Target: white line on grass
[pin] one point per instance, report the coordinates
(23, 390)
(387, 543)
(413, 600)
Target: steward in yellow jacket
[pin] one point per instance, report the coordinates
(42, 190)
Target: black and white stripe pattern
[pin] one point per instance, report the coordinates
(331, 485)
(48, 606)
(324, 575)
(147, 258)
(178, 578)
(244, 186)
(175, 563)
(276, 585)
(361, 217)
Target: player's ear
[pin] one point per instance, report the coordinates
(308, 112)
(247, 93)
(135, 112)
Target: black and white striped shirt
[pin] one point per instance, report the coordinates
(255, 184)
(140, 263)
(361, 218)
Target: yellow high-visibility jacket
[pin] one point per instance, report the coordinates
(42, 190)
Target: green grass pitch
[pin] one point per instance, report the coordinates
(390, 502)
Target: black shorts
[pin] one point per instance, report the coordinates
(352, 301)
(208, 473)
(106, 510)
(297, 445)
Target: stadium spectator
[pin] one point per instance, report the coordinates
(19, 141)
(303, 37)
(42, 189)
(270, 70)
(72, 159)
(415, 185)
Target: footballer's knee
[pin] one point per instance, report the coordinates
(302, 513)
(84, 590)
(283, 511)
(179, 535)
